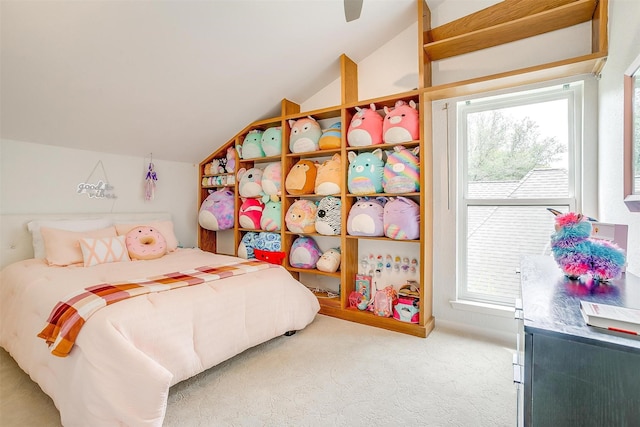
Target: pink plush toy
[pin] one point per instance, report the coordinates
(231, 160)
(250, 214)
(272, 181)
(365, 127)
(401, 124)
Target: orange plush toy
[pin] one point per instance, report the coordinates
(301, 178)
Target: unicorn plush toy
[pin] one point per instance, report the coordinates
(401, 123)
(578, 254)
(365, 127)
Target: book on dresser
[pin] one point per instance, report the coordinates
(611, 317)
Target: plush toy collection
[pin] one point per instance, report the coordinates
(369, 173)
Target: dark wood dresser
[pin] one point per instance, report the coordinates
(574, 374)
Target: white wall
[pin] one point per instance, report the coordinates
(624, 47)
(43, 179)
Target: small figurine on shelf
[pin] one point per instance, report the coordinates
(578, 254)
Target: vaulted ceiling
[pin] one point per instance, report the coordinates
(175, 78)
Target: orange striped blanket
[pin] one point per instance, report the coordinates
(68, 316)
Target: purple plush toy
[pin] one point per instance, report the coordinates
(216, 212)
(366, 217)
(402, 219)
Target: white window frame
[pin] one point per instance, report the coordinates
(449, 212)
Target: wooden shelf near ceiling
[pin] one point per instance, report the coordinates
(512, 20)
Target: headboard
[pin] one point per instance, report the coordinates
(15, 238)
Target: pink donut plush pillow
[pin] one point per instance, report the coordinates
(145, 243)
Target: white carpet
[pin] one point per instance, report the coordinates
(333, 373)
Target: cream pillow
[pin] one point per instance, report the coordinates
(103, 250)
(62, 247)
(164, 227)
(62, 224)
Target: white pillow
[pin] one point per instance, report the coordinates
(103, 250)
(62, 224)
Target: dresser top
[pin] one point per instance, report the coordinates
(551, 303)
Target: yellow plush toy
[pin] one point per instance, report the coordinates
(331, 137)
(328, 178)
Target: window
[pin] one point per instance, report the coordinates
(517, 155)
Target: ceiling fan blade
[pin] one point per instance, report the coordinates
(352, 9)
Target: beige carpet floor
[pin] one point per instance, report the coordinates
(333, 373)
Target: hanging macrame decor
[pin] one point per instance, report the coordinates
(99, 189)
(150, 181)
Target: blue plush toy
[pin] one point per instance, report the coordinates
(271, 141)
(263, 240)
(365, 172)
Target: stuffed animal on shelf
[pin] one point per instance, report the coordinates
(328, 177)
(250, 214)
(366, 217)
(272, 181)
(231, 160)
(329, 261)
(365, 172)
(301, 178)
(401, 171)
(301, 217)
(304, 253)
(251, 147)
(365, 127)
(271, 216)
(578, 254)
(305, 134)
(328, 216)
(272, 141)
(250, 182)
(258, 240)
(331, 137)
(217, 210)
(401, 219)
(401, 123)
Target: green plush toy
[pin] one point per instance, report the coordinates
(251, 147)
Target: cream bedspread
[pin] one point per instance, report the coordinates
(128, 354)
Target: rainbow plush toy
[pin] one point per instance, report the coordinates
(578, 254)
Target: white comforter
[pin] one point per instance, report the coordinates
(128, 354)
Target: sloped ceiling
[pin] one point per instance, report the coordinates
(172, 78)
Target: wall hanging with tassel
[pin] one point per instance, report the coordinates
(150, 181)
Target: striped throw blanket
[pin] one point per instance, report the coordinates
(68, 316)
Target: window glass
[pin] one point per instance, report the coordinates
(517, 156)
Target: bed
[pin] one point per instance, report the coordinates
(128, 354)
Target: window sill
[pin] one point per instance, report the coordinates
(479, 307)
(633, 202)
